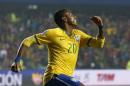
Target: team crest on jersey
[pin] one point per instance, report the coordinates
(77, 37)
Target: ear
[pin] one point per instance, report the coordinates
(64, 19)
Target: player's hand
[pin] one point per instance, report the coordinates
(97, 20)
(17, 66)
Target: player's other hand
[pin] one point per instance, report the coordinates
(97, 20)
(17, 66)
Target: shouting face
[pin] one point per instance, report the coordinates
(70, 18)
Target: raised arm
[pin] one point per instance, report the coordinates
(100, 40)
(88, 40)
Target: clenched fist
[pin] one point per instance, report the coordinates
(17, 66)
(97, 20)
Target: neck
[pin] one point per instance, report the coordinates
(69, 28)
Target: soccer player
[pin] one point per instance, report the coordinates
(63, 45)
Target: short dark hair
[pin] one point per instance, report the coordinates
(58, 17)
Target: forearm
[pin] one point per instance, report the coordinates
(99, 41)
(17, 65)
(100, 34)
(98, 21)
(20, 52)
(27, 42)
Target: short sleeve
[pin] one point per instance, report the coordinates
(88, 40)
(43, 38)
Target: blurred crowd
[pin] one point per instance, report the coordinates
(16, 25)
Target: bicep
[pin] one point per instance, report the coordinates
(85, 40)
(90, 41)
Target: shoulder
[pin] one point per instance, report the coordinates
(78, 31)
(49, 31)
(83, 34)
(54, 30)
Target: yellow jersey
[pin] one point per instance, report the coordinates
(62, 49)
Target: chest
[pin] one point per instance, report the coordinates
(65, 40)
(66, 43)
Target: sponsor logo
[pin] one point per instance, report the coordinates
(105, 77)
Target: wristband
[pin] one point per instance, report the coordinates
(17, 59)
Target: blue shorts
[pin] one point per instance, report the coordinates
(62, 80)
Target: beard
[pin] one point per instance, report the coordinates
(74, 26)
